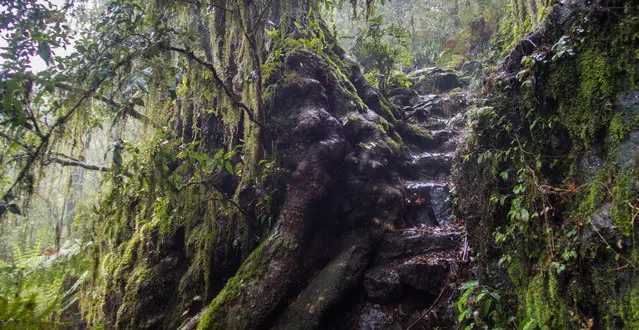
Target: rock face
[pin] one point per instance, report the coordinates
(571, 266)
(413, 264)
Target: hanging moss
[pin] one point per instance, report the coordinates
(545, 302)
(624, 192)
(618, 295)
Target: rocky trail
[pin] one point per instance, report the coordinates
(411, 281)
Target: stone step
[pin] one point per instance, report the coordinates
(425, 99)
(434, 166)
(418, 258)
(441, 140)
(431, 201)
(445, 140)
(416, 241)
(435, 106)
(435, 123)
(403, 97)
(422, 187)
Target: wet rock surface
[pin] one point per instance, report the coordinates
(413, 264)
(626, 156)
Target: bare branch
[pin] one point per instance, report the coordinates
(65, 162)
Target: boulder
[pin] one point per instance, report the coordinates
(403, 96)
(435, 80)
(471, 67)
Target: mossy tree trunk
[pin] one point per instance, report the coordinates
(307, 90)
(297, 102)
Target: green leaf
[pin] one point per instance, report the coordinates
(200, 157)
(469, 285)
(292, 42)
(218, 154)
(13, 208)
(487, 304)
(229, 167)
(533, 124)
(504, 175)
(44, 51)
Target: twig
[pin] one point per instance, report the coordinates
(635, 214)
(44, 140)
(466, 249)
(7, 137)
(527, 39)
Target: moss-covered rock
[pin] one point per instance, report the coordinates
(555, 154)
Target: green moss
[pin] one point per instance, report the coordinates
(617, 293)
(624, 192)
(250, 272)
(574, 100)
(125, 261)
(397, 138)
(585, 92)
(619, 129)
(394, 146)
(418, 130)
(595, 195)
(516, 272)
(545, 303)
(595, 74)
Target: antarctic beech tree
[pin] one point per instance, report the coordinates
(298, 101)
(300, 108)
(265, 169)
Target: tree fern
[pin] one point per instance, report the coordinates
(37, 287)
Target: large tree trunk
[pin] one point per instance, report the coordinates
(308, 97)
(312, 115)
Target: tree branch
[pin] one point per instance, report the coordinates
(128, 108)
(218, 81)
(44, 140)
(65, 162)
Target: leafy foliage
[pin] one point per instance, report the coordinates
(481, 308)
(37, 286)
(381, 49)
